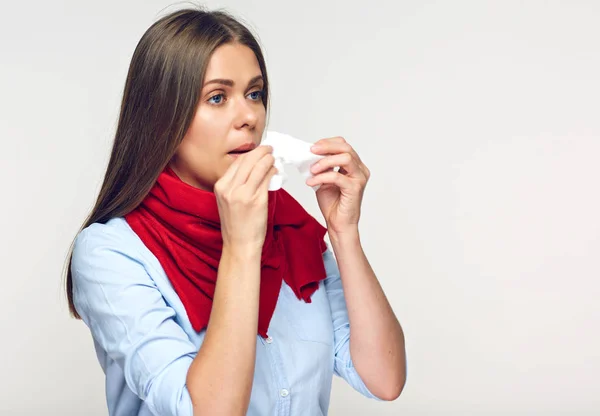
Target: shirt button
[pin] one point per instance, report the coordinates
(269, 340)
(284, 393)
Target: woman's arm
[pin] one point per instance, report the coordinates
(376, 337)
(130, 320)
(220, 377)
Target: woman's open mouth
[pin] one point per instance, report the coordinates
(240, 150)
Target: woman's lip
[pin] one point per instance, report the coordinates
(246, 147)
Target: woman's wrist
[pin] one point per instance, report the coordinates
(244, 253)
(346, 236)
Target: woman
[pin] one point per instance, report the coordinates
(204, 292)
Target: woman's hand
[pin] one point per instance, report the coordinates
(340, 193)
(242, 198)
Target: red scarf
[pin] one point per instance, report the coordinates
(180, 225)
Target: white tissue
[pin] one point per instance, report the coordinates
(289, 151)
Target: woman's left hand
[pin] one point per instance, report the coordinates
(340, 193)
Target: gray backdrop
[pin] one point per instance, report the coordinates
(480, 123)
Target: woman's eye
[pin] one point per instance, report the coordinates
(220, 99)
(256, 95)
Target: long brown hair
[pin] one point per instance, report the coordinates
(160, 97)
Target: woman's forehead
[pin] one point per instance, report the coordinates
(233, 62)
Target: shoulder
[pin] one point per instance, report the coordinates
(108, 268)
(114, 228)
(99, 243)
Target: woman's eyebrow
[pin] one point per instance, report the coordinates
(230, 83)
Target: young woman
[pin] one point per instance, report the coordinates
(205, 293)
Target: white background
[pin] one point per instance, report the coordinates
(480, 121)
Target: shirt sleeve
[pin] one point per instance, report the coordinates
(129, 318)
(343, 366)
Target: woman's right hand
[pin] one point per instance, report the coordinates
(242, 199)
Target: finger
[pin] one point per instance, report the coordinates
(247, 162)
(259, 170)
(331, 177)
(337, 139)
(344, 161)
(231, 170)
(334, 145)
(264, 185)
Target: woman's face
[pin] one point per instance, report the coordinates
(230, 114)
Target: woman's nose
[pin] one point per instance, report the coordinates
(246, 113)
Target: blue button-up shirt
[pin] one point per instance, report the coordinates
(145, 343)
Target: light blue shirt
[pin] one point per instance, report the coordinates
(145, 343)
